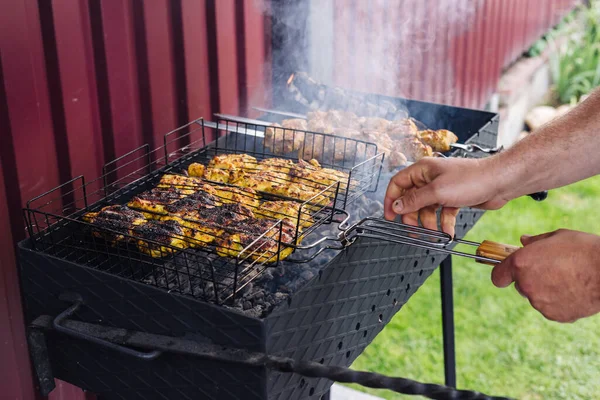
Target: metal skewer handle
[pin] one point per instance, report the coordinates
(487, 252)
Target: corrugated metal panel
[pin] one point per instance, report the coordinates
(474, 41)
(82, 81)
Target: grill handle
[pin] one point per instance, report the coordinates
(77, 301)
(487, 252)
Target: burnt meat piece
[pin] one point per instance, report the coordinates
(263, 249)
(160, 238)
(153, 202)
(117, 218)
(192, 202)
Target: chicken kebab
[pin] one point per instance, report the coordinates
(222, 205)
(400, 140)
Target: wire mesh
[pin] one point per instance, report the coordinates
(148, 219)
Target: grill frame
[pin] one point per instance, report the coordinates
(332, 303)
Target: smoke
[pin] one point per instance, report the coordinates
(390, 47)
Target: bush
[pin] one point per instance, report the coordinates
(576, 65)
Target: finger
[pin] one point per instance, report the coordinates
(503, 274)
(415, 199)
(527, 239)
(519, 290)
(411, 219)
(410, 177)
(449, 219)
(428, 216)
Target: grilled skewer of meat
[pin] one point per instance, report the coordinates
(287, 137)
(117, 218)
(439, 140)
(414, 149)
(402, 128)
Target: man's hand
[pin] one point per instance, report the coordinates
(419, 190)
(559, 272)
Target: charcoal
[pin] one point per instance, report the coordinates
(191, 274)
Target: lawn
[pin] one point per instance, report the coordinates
(503, 346)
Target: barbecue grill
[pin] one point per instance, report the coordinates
(325, 303)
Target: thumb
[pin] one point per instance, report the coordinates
(528, 239)
(414, 200)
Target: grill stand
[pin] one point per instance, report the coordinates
(118, 339)
(446, 289)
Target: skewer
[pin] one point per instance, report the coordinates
(471, 148)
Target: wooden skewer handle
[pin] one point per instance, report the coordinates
(495, 251)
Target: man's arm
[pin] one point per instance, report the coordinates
(561, 152)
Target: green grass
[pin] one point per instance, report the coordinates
(503, 346)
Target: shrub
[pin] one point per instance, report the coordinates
(575, 66)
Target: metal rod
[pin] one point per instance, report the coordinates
(235, 129)
(311, 369)
(447, 297)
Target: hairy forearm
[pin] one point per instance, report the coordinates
(561, 152)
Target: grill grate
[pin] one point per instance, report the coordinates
(211, 262)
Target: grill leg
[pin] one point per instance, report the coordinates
(448, 322)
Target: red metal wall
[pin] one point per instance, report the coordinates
(445, 51)
(82, 81)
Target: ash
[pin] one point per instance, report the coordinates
(192, 272)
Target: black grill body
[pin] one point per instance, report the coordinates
(331, 319)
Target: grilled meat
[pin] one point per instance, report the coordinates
(262, 181)
(229, 161)
(262, 249)
(226, 215)
(315, 200)
(197, 234)
(439, 140)
(414, 149)
(395, 158)
(160, 238)
(181, 182)
(193, 202)
(318, 178)
(230, 194)
(284, 209)
(377, 124)
(280, 165)
(152, 202)
(118, 218)
(217, 175)
(287, 137)
(402, 128)
(196, 169)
